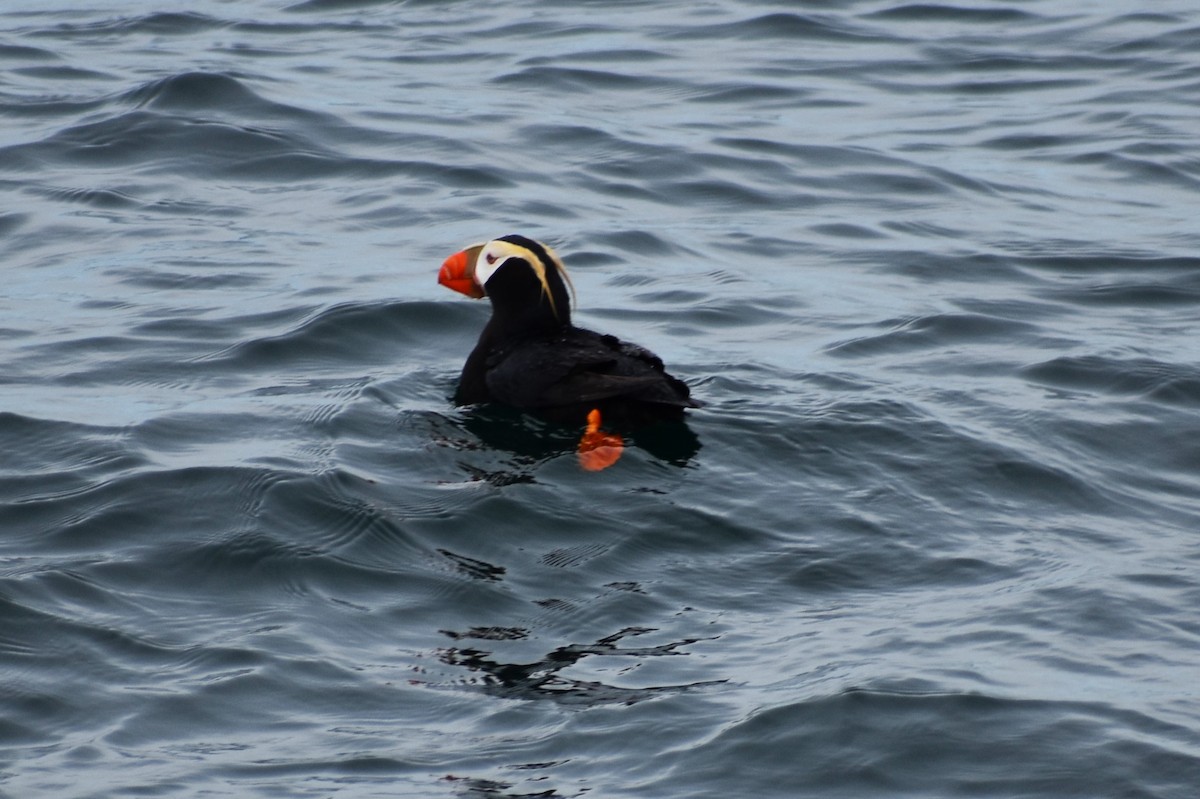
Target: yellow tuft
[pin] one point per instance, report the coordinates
(539, 268)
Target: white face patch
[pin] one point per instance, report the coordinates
(495, 253)
(490, 258)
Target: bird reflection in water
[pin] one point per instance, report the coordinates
(541, 679)
(532, 440)
(494, 789)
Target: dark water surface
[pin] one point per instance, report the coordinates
(935, 270)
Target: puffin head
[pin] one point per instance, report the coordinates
(513, 271)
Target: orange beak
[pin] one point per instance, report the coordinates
(458, 272)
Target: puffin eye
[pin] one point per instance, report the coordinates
(491, 259)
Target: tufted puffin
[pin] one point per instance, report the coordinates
(531, 357)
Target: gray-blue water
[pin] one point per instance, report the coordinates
(933, 268)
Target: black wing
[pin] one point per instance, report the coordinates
(580, 366)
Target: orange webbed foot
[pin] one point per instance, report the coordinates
(598, 449)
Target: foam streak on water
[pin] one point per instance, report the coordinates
(934, 269)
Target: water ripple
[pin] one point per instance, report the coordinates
(931, 267)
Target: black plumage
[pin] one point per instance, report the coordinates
(530, 356)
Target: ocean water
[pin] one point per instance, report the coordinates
(933, 268)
